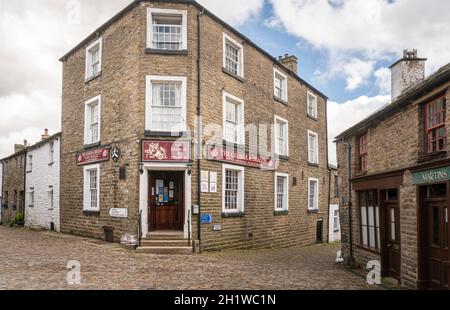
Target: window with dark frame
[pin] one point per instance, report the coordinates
(362, 146)
(435, 131)
(369, 220)
(336, 186)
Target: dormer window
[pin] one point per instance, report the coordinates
(167, 30)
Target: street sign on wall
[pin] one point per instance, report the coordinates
(93, 156)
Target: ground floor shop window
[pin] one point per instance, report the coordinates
(369, 219)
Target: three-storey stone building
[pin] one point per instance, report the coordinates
(161, 109)
(395, 172)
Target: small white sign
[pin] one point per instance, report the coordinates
(118, 212)
(205, 176)
(213, 177)
(205, 187)
(217, 227)
(213, 187)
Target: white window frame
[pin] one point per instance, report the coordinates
(310, 94)
(276, 120)
(30, 163)
(150, 79)
(86, 188)
(241, 203)
(86, 116)
(88, 69)
(284, 95)
(316, 202)
(162, 12)
(31, 197)
(51, 153)
(240, 54)
(241, 124)
(314, 161)
(51, 197)
(286, 189)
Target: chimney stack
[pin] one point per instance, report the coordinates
(289, 61)
(18, 148)
(45, 136)
(407, 72)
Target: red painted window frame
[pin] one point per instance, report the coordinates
(363, 153)
(438, 123)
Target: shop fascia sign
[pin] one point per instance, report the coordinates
(166, 151)
(237, 157)
(93, 156)
(431, 176)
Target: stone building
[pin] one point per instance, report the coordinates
(334, 222)
(135, 93)
(396, 211)
(42, 183)
(13, 184)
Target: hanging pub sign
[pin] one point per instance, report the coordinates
(166, 151)
(240, 158)
(93, 156)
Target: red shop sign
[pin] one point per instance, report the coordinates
(166, 151)
(240, 158)
(93, 156)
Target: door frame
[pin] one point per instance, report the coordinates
(144, 190)
(385, 229)
(422, 233)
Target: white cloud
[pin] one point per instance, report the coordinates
(383, 80)
(357, 72)
(373, 29)
(235, 12)
(35, 34)
(342, 116)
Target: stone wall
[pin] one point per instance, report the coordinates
(123, 88)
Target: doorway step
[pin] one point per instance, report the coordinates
(165, 242)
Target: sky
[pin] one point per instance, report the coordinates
(345, 48)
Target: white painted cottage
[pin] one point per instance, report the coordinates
(42, 183)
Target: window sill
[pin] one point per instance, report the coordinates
(233, 215)
(313, 165)
(177, 134)
(371, 250)
(280, 100)
(283, 157)
(280, 213)
(237, 77)
(360, 173)
(424, 157)
(313, 211)
(314, 118)
(89, 79)
(233, 144)
(166, 52)
(91, 213)
(92, 145)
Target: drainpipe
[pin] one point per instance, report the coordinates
(24, 184)
(349, 177)
(329, 202)
(199, 129)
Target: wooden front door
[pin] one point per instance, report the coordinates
(391, 255)
(166, 201)
(437, 244)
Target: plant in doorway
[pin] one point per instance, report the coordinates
(19, 220)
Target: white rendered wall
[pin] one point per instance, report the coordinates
(42, 176)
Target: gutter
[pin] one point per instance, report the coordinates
(199, 130)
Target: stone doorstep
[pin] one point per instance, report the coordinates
(186, 250)
(164, 243)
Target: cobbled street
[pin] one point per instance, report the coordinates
(37, 260)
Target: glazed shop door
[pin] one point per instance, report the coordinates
(166, 201)
(437, 258)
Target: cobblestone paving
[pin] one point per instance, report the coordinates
(37, 260)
